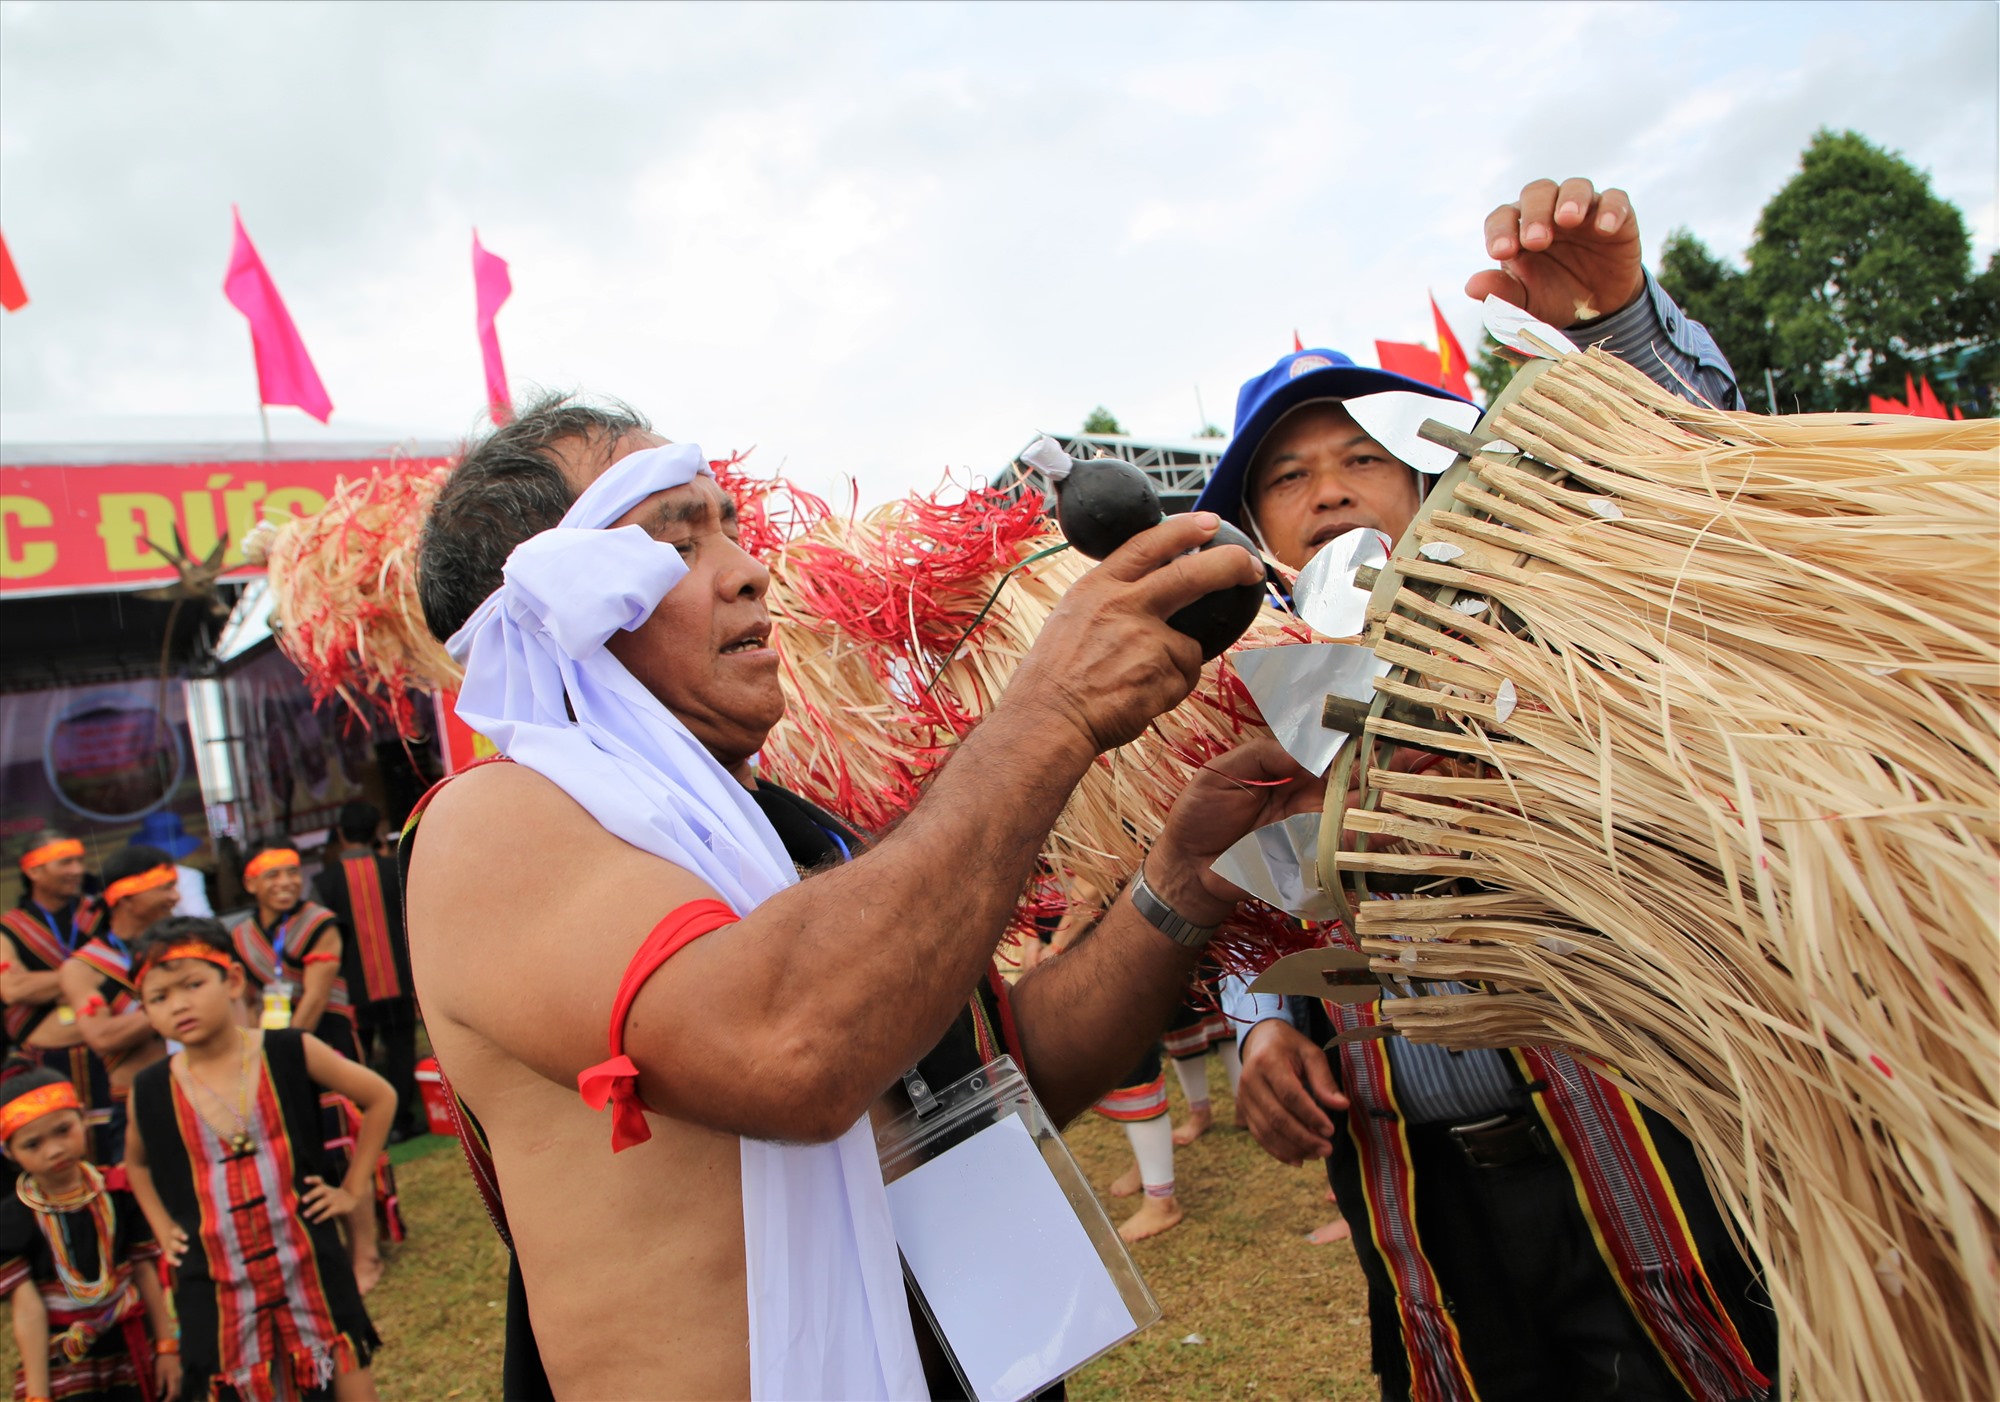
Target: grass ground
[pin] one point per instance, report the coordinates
(1251, 1310)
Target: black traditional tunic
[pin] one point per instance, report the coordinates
(117, 1355)
(260, 1288)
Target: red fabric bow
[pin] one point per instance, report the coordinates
(617, 1082)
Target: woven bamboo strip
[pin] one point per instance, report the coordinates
(1737, 842)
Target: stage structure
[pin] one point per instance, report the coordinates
(1179, 468)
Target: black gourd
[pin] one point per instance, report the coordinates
(1217, 620)
(1101, 503)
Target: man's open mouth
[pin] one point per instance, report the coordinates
(749, 644)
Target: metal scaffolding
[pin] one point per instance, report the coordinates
(1178, 470)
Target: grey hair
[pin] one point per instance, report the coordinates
(506, 487)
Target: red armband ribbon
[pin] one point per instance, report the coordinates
(312, 959)
(92, 1006)
(615, 1082)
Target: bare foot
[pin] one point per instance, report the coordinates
(1127, 1183)
(1199, 1118)
(1336, 1230)
(1154, 1216)
(367, 1272)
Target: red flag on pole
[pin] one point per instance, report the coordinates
(1452, 363)
(13, 296)
(1930, 407)
(493, 287)
(285, 373)
(1297, 344)
(1417, 361)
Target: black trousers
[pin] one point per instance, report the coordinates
(1538, 1311)
(388, 1030)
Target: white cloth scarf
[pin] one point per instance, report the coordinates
(828, 1316)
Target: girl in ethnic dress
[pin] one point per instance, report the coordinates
(226, 1157)
(77, 1261)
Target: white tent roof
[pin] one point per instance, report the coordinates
(38, 440)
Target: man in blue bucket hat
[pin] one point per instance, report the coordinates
(1298, 466)
(1494, 1269)
(163, 829)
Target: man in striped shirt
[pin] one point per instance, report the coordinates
(1486, 1275)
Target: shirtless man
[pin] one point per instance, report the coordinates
(786, 1025)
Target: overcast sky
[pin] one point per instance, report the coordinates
(880, 241)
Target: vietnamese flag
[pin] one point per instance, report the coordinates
(1452, 363)
(13, 296)
(492, 286)
(1419, 362)
(285, 373)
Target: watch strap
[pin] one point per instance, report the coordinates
(1164, 918)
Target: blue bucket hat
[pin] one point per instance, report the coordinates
(162, 829)
(1296, 378)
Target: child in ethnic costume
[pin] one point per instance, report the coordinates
(293, 956)
(226, 1157)
(77, 1260)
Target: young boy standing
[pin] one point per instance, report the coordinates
(76, 1260)
(225, 1156)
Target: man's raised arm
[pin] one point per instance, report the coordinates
(789, 1023)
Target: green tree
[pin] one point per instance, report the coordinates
(1101, 421)
(1858, 276)
(1491, 368)
(1210, 431)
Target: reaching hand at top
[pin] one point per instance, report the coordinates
(1567, 252)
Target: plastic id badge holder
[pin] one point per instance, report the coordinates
(1005, 1247)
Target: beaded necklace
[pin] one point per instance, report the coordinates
(242, 1141)
(52, 1216)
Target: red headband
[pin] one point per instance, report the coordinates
(51, 852)
(24, 1110)
(190, 949)
(133, 885)
(269, 860)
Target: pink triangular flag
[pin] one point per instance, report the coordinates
(285, 373)
(493, 287)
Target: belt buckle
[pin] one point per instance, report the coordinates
(1520, 1138)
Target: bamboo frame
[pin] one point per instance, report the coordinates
(1736, 842)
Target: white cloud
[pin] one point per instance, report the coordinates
(879, 240)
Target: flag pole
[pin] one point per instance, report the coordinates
(264, 417)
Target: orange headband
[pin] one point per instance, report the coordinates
(145, 881)
(208, 954)
(270, 860)
(24, 1110)
(51, 852)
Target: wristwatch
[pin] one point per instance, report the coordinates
(1164, 918)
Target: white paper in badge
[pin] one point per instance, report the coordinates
(986, 1220)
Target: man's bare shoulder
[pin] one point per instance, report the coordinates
(507, 872)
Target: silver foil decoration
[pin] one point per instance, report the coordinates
(1279, 864)
(1290, 683)
(1392, 418)
(1325, 595)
